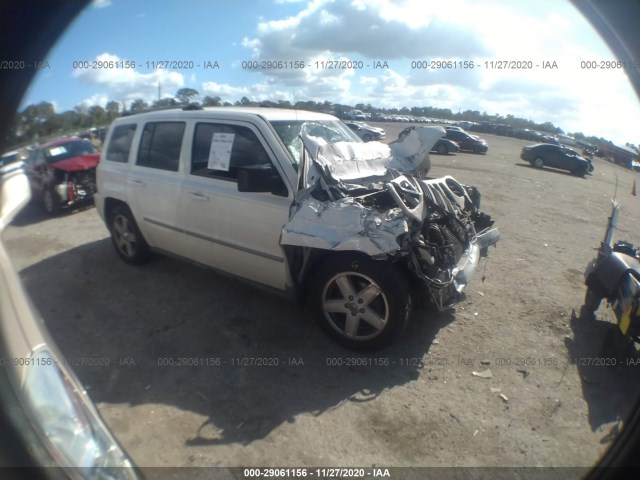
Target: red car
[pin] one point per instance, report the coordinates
(62, 173)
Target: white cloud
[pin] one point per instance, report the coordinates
(100, 99)
(374, 29)
(127, 84)
(100, 3)
(256, 92)
(405, 30)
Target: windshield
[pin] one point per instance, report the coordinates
(68, 150)
(332, 131)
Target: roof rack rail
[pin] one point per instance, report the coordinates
(192, 106)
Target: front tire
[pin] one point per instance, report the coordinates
(127, 239)
(580, 171)
(361, 303)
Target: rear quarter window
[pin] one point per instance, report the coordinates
(120, 143)
(160, 145)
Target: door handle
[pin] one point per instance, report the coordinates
(198, 196)
(137, 181)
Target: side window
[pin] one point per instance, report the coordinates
(120, 143)
(160, 145)
(218, 150)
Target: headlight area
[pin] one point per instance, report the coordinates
(75, 187)
(68, 424)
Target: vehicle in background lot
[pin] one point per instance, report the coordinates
(465, 124)
(355, 115)
(467, 141)
(366, 132)
(614, 275)
(296, 202)
(62, 173)
(542, 138)
(567, 140)
(556, 156)
(444, 146)
(58, 420)
(380, 117)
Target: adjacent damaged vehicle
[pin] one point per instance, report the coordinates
(48, 410)
(62, 173)
(294, 201)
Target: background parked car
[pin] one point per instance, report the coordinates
(366, 132)
(9, 157)
(547, 155)
(62, 173)
(467, 141)
(444, 146)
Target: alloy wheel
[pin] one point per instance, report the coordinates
(124, 236)
(355, 306)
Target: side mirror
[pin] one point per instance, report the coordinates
(261, 178)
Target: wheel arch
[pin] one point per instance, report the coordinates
(302, 272)
(393, 290)
(110, 205)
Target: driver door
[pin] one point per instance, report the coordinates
(232, 231)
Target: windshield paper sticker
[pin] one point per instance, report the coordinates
(220, 152)
(55, 151)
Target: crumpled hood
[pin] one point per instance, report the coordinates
(81, 162)
(337, 221)
(351, 160)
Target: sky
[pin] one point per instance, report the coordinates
(210, 44)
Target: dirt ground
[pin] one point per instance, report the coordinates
(416, 403)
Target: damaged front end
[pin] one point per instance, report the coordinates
(73, 187)
(376, 199)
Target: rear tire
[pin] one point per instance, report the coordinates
(443, 150)
(361, 303)
(127, 239)
(538, 162)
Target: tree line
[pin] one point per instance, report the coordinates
(41, 121)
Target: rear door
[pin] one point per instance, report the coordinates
(569, 160)
(554, 157)
(458, 137)
(154, 183)
(237, 232)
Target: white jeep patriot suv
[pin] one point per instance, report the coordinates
(294, 201)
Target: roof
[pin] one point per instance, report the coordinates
(271, 114)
